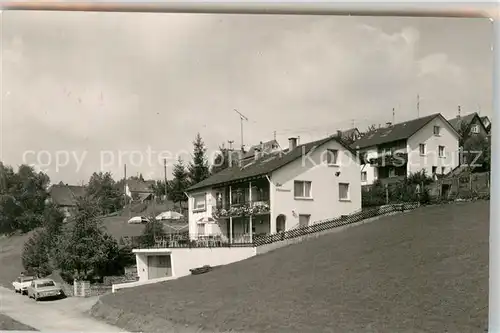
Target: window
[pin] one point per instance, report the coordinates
(441, 151)
(474, 129)
(434, 170)
(442, 170)
(302, 189)
(343, 191)
(199, 202)
(421, 148)
(392, 172)
(201, 229)
(304, 220)
(437, 130)
(363, 176)
(332, 156)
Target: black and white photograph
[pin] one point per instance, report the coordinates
(232, 172)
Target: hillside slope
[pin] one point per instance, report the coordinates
(422, 271)
(11, 249)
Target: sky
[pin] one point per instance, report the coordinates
(89, 92)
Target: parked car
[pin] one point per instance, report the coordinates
(138, 220)
(44, 288)
(22, 283)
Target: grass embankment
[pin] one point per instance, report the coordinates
(422, 271)
(9, 324)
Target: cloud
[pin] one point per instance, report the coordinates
(128, 81)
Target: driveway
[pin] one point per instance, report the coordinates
(66, 315)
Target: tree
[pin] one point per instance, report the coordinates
(153, 229)
(53, 222)
(106, 191)
(35, 256)
(179, 183)
(159, 188)
(477, 153)
(23, 197)
(198, 168)
(222, 160)
(84, 249)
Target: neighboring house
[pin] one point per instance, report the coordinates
(351, 134)
(277, 192)
(487, 123)
(263, 148)
(469, 125)
(139, 190)
(66, 196)
(393, 152)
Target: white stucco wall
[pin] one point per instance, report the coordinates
(194, 216)
(185, 259)
(325, 201)
(141, 260)
(371, 172)
(425, 135)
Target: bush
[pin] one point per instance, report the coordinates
(35, 256)
(153, 229)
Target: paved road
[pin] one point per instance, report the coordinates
(67, 315)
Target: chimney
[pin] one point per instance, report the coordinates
(292, 143)
(459, 110)
(339, 133)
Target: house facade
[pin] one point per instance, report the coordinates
(277, 192)
(139, 190)
(393, 152)
(470, 125)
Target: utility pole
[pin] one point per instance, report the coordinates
(393, 115)
(165, 174)
(459, 111)
(125, 185)
(418, 106)
(242, 118)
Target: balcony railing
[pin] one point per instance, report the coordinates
(395, 159)
(241, 209)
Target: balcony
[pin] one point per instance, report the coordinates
(241, 209)
(390, 159)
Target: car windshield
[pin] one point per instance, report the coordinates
(26, 279)
(45, 284)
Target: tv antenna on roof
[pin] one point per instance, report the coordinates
(242, 118)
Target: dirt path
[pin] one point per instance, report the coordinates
(67, 315)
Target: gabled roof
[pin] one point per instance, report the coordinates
(66, 195)
(264, 165)
(135, 185)
(459, 120)
(267, 147)
(396, 132)
(349, 132)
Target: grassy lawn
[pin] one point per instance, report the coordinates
(9, 324)
(423, 271)
(10, 258)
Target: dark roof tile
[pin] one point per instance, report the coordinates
(458, 121)
(263, 166)
(66, 195)
(395, 132)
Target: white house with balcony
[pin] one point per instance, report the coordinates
(390, 153)
(277, 192)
